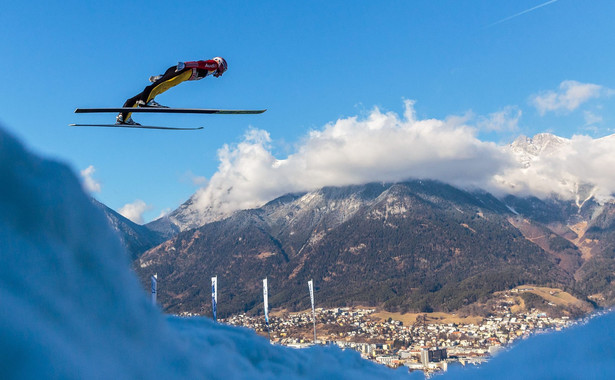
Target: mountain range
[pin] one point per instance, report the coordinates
(418, 245)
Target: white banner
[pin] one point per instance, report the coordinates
(266, 300)
(311, 286)
(154, 279)
(214, 297)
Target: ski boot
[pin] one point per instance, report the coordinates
(153, 103)
(119, 120)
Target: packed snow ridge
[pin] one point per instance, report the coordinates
(72, 309)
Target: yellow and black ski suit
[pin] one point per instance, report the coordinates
(171, 78)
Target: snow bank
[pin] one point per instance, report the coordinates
(72, 309)
(581, 352)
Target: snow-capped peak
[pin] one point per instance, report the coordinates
(528, 149)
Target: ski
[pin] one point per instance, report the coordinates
(134, 126)
(169, 110)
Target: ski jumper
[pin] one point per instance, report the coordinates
(174, 75)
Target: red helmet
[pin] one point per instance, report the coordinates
(222, 66)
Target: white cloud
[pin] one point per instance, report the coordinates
(507, 119)
(569, 97)
(387, 147)
(163, 213)
(194, 179)
(591, 118)
(134, 211)
(199, 180)
(89, 183)
(570, 168)
(381, 147)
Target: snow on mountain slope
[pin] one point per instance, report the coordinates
(569, 169)
(528, 150)
(72, 309)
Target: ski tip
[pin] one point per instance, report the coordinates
(169, 110)
(127, 126)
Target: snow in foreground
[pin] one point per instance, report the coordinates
(72, 309)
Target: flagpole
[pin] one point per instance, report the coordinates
(311, 286)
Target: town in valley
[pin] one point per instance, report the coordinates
(429, 342)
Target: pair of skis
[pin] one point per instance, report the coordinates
(158, 110)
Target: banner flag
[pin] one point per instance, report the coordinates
(311, 286)
(154, 279)
(214, 297)
(266, 300)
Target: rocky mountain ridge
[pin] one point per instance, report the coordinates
(417, 245)
(435, 237)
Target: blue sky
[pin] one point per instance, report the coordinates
(309, 63)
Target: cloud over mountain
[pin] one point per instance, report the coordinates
(134, 211)
(570, 168)
(387, 147)
(89, 183)
(382, 147)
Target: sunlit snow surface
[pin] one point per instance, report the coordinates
(581, 352)
(70, 308)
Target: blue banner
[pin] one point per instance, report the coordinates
(214, 297)
(154, 279)
(266, 301)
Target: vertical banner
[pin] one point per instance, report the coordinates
(266, 306)
(266, 301)
(154, 279)
(311, 286)
(214, 297)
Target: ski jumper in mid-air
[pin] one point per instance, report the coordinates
(174, 75)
